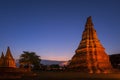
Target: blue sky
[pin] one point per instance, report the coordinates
(53, 28)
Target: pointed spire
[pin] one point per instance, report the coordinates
(89, 21)
(89, 32)
(2, 55)
(8, 54)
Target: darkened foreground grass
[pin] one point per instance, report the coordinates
(62, 76)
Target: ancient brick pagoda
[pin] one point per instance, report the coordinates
(7, 60)
(90, 55)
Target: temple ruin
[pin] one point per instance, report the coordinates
(7, 60)
(90, 56)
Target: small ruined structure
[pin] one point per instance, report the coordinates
(90, 55)
(7, 60)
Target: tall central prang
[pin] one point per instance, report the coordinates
(90, 55)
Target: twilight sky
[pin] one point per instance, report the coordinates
(53, 28)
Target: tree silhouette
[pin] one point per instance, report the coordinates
(115, 60)
(29, 60)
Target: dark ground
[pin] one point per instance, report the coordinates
(59, 76)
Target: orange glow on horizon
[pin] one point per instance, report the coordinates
(56, 58)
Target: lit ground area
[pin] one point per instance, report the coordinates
(60, 76)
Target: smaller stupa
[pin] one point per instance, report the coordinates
(2, 58)
(7, 60)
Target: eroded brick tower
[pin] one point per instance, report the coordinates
(90, 55)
